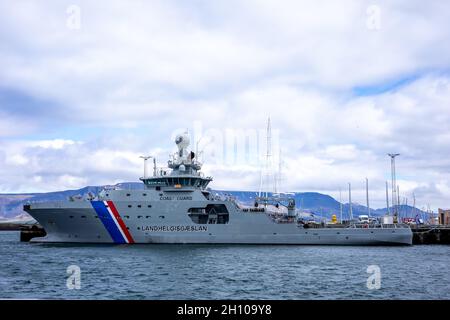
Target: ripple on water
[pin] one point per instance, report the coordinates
(221, 272)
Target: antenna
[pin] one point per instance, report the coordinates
(350, 200)
(394, 183)
(406, 207)
(268, 151)
(387, 200)
(268, 168)
(367, 197)
(145, 164)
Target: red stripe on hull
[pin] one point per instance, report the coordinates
(120, 221)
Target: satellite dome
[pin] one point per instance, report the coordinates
(182, 140)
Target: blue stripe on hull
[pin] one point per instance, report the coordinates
(107, 221)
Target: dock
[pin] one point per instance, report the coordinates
(27, 231)
(431, 234)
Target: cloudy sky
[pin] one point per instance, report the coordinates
(86, 87)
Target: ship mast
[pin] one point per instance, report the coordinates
(387, 200)
(394, 185)
(350, 200)
(268, 168)
(367, 196)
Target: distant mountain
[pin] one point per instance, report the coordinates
(318, 204)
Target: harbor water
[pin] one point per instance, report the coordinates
(40, 271)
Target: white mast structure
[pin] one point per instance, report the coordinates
(268, 166)
(367, 196)
(350, 200)
(340, 202)
(145, 165)
(387, 200)
(394, 184)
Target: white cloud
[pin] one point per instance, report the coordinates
(138, 71)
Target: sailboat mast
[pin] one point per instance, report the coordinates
(367, 196)
(350, 200)
(387, 199)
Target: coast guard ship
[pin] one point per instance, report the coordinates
(176, 206)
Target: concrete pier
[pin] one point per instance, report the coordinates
(29, 232)
(431, 235)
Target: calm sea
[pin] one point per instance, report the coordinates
(39, 271)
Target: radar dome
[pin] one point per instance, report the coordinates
(182, 140)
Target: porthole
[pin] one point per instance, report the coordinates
(148, 217)
(149, 206)
(144, 194)
(128, 194)
(129, 206)
(139, 206)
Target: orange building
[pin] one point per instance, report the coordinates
(444, 216)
